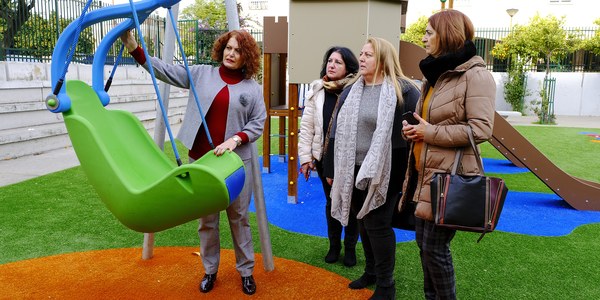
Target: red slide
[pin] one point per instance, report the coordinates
(579, 193)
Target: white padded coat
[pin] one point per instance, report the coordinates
(310, 141)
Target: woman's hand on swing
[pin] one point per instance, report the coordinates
(227, 145)
(129, 41)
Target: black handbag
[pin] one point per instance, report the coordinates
(468, 203)
(405, 217)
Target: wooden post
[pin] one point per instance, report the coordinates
(267, 96)
(293, 144)
(282, 119)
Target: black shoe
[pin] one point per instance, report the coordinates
(248, 285)
(362, 282)
(349, 257)
(333, 255)
(384, 293)
(208, 282)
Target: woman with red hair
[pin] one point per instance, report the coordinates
(235, 115)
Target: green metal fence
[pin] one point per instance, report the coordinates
(197, 41)
(29, 33)
(578, 61)
(547, 106)
(29, 30)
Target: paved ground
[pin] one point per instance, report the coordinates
(27, 167)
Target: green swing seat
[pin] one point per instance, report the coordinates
(136, 181)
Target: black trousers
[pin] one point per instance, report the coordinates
(334, 227)
(376, 232)
(378, 238)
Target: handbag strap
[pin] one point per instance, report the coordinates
(459, 153)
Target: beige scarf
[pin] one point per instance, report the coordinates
(374, 173)
(337, 85)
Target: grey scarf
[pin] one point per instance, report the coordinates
(374, 173)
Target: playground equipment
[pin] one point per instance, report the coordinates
(307, 42)
(275, 55)
(303, 53)
(134, 178)
(579, 193)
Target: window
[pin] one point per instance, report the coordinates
(259, 5)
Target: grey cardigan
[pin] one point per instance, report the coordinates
(246, 113)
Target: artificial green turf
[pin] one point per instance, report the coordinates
(571, 151)
(60, 213)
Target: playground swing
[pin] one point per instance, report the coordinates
(136, 181)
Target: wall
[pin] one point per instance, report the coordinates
(576, 94)
(28, 128)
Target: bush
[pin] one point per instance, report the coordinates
(515, 89)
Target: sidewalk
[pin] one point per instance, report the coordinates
(27, 167)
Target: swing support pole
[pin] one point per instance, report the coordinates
(159, 123)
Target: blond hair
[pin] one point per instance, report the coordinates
(387, 61)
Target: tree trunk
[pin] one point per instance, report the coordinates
(14, 21)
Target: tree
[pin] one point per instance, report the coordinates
(210, 14)
(415, 32)
(550, 39)
(593, 44)
(516, 48)
(542, 39)
(205, 20)
(14, 14)
(37, 37)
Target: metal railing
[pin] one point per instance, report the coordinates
(29, 30)
(198, 42)
(577, 61)
(34, 39)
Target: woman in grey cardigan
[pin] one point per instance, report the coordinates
(235, 116)
(369, 159)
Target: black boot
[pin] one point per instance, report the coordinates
(333, 255)
(362, 282)
(350, 240)
(349, 257)
(384, 293)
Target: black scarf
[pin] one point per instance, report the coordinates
(433, 67)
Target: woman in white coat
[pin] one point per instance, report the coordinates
(339, 66)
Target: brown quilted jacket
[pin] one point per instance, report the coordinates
(462, 97)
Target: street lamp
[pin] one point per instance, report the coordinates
(511, 12)
(450, 5)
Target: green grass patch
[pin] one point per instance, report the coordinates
(60, 213)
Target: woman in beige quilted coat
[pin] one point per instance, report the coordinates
(458, 92)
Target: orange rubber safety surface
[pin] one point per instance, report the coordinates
(173, 273)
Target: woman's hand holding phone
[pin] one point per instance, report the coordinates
(413, 126)
(409, 117)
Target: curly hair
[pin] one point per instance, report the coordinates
(249, 51)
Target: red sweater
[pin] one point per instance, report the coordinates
(216, 116)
